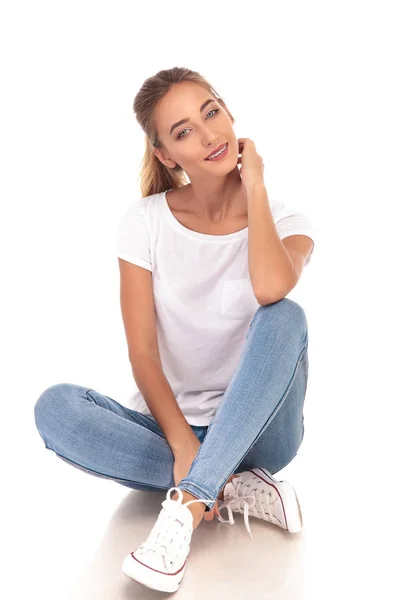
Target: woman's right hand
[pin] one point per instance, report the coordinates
(184, 457)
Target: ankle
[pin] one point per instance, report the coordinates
(221, 494)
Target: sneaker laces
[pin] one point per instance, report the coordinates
(237, 496)
(172, 530)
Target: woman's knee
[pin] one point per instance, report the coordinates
(50, 400)
(288, 312)
(289, 308)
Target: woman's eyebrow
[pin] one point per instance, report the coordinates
(202, 107)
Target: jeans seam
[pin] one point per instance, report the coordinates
(100, 475)
(206, 495)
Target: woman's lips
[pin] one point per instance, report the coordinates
(222, 155)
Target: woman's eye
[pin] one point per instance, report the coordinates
(212, 110)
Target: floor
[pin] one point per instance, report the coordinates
(78, 528)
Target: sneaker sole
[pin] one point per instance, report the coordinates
(289, 500)
(151, 578)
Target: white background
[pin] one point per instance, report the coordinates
(316, 86)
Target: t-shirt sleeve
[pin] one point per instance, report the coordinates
(291, 220)
(132, 236)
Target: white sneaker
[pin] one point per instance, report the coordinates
(271, 500)
(160, 562)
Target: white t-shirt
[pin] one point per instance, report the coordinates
(204, 300)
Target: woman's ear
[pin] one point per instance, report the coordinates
(165, 161)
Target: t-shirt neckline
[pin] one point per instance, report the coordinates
(196, 234)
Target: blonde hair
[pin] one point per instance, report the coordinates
(155, 177)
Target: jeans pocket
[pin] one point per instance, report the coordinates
(238, 300)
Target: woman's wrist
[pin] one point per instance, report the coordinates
(185, 444)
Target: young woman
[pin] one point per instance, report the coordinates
(218, 354)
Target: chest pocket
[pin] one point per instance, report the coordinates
(238, 300)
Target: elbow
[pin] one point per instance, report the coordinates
(278, 294)
(263, 301)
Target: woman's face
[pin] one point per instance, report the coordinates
(188, 143)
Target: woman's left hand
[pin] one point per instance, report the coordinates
(252, 166)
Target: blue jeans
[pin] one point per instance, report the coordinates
(259, 422)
